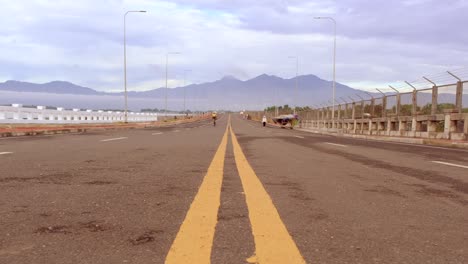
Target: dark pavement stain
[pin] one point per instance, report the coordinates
(226, 217)
(94, 226)
(320, 215)
(98, 182)
(386, 191)
(45, 214)
(439, 193)
(53, 178)
(146, 237)
(295, 191)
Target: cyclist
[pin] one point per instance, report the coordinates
(214, 116)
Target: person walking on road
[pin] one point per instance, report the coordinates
(264, 120)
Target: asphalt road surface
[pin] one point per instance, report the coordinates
(234, 193)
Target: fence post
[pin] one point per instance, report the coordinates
(362, 109)
(459, 98)
(448, 127)
(384, 106)
(435, 94)
(414, 111)
(398, 106)
(346, 111)
(339, 111)
(353, 111)
(465, 125)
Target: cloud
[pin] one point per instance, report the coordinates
(379, 42)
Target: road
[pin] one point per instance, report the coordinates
(234, 193)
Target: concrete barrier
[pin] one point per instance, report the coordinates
(18, 114)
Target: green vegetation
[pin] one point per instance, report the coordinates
(426, 110)
(287, 109)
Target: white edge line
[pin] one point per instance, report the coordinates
(451, 164)
(299, 136)
(397, 143)
(112, 139)
(333, 144)
(158, 133)
(5, 153)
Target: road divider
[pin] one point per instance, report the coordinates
(334, 144)
(113, 139)
(194, 240)
(273, 243)
(451, 164)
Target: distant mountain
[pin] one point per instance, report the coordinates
(261, 90)
(57, 87)
(227, 93)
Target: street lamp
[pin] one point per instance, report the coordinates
(185, 78)
(297, 70)
(125, 58)
(334, 63)
(165, 100)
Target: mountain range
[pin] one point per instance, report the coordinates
(227, 93)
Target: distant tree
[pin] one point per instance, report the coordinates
(405, 109)
(427, 109)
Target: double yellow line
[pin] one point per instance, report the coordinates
(193, 243)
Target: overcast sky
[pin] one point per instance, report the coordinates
(379, 42)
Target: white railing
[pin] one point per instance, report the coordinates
(16, 113)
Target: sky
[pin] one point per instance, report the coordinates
(379, 42)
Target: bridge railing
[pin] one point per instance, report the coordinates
(440, 111)
(17, 113)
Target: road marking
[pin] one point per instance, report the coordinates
(176, 131)
(404, 144)
(157, 133)
(5, 153)
(273, 243)
(112, 139)
(299, 136)
(194, 240)
(451, 164)
(333, 144)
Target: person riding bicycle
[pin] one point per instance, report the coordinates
(214, 116)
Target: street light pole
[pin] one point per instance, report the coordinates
(334, 63)
(297, 72)
(185, 77)
(125, 59)
(165, 100)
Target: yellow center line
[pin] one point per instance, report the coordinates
(194, 241)
(273, 243)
